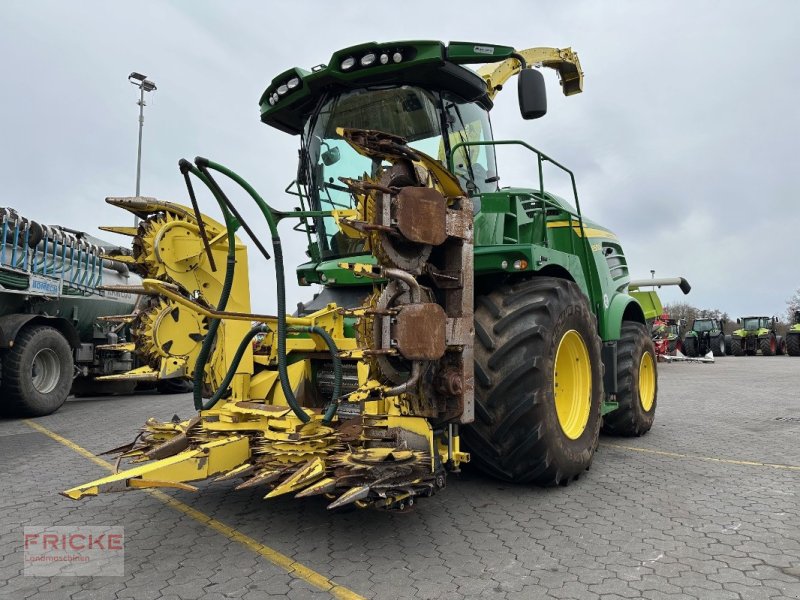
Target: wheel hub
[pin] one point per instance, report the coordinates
(572, 383)
(45, 371)
(647, 382)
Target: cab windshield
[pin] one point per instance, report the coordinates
(751, 324)
(432, 122)
(707, 325)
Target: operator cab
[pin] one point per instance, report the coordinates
(431, 121)
(415, 90)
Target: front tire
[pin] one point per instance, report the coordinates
(690, 346)
(793, 344)
(637, 383)
(768, 345)
(37, 373)
(736, 346)
(539, 383)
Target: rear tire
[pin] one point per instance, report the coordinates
(690, 346)
(768, 345)
(793, 344)
(718, 345)
(637, 383)
(539, 384)
(736, 346)
(37, 372)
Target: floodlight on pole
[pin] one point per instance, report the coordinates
(144, 85)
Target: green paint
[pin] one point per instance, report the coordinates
(517, 232)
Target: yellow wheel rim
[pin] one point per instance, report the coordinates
(572, 384)
(647, 381)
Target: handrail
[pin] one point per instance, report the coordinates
(541, 158)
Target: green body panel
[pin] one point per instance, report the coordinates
(422, 63)
(650, 303)
(517, 232)
(508, 229)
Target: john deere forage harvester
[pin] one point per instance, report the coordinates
(455, 315)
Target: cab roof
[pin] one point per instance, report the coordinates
(292, 96)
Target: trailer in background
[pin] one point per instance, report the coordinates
(53, 338)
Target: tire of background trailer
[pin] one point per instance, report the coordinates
(736, 346)
(637, 383)
(793, 344)
(768, 345)
(53, 357)
(781, 345)
(718, 345)
(690, 346)
(672, 345)
(517, 434)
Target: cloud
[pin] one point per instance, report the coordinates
(683, 142)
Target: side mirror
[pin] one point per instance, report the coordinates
(532, 94)
(330, 156)
(738, 321)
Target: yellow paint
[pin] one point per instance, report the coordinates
(563, 60)
(292, 567)
(572, 384)
(647, 381)
(728, 461)
(190, 465)
(591, 232)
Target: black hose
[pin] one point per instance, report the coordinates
(205, 350)
(337, 369)
(204, 164)
(227, 208)
(237, 358)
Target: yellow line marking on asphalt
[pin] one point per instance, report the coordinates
(293, 568)
(727, 461)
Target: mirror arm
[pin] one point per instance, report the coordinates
(563, 60)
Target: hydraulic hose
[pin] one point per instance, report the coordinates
(237, 358)
(205, 350)
(269, 215)
(337, 369)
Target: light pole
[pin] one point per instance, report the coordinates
(144, 85)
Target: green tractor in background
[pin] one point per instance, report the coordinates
(706, 335)
(757, 333)
(792, 339)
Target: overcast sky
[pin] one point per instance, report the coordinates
(684, 141)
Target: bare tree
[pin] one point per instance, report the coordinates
(792, 305)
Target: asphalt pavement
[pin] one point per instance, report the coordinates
(707, 505)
